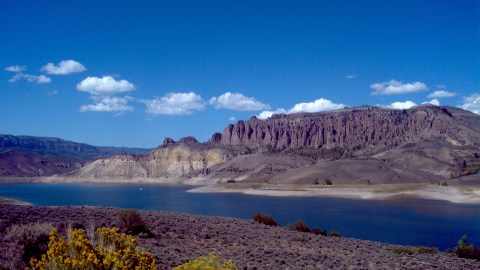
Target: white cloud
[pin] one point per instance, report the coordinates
(472, 103)
(16, 68)
(237, 102)
(433, 102)
(109, 104)
(104, 86)
(175, 104)
(64, 67)
(30, 78)
(351, 76)
(267, 114)
(232, 118)
(397, 88)
(318, 105)
(399, 105)
(441, 94)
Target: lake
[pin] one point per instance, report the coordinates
(402, 220)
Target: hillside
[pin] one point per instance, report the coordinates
(56, 147)
(18, 162)
(364, 145)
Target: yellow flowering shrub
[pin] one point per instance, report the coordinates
(108, 250)
(212, 262)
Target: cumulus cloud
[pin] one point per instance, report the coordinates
(401, 105)
(441, 94)
(64, 67)
(318, 105)
(394, 87)
(175, 104)
(30, 78)
(434, 101)
(237, 102)
(108, 104)
(351, 76)
(232, 118)
(16, 68)
(106, 85)
(472, 103)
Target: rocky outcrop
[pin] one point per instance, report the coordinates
(353, 128)
(172, 160)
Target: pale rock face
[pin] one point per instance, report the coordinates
(167, 162)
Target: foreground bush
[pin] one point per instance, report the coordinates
(427, 250)
(317, 231)
(23, 242)
(300, 226)
(411, 250)
(264, 219)
(212, 262)
(132, 223)
(466, 250)
(335, 234)
(403, 249)
(108, 249)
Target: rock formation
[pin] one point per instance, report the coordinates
(353, 128)
(170, 160)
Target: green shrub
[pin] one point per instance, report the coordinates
(264, 219)
(427, 250)
(317, 231)
(300, 226)
(212, 262)
(335, 234)
(132, 223)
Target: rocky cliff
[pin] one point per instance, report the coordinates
(354, 128)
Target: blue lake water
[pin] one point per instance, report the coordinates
(403, 220)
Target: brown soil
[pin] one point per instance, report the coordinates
(180, 237)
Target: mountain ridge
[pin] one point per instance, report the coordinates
(360, 145)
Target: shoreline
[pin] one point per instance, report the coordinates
(467, 195)
(454, 194)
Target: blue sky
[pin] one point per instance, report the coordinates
(129, 73)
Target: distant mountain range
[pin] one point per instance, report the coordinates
(362, 145)
(43, 156)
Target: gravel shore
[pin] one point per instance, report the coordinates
(180, 237)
